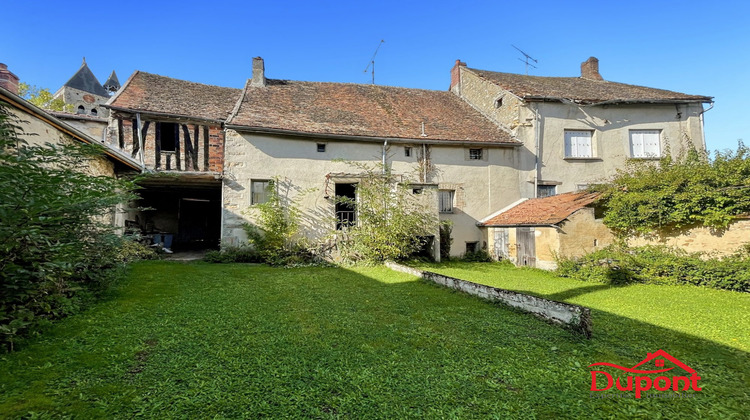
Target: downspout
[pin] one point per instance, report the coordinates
(424, 162)
(703, 128)
(537, 139)
(385, 144)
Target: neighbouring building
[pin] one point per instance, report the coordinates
(490, 141)
(535, 232)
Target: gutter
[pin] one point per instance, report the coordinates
(170, 117)
(618, 101)
(376, 139)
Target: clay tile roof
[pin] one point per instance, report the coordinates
(585, 91)
(542, 211)
(146, 92)
(364, 110)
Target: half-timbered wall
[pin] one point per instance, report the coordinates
(174, 146)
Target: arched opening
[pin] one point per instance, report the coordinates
(81, 110)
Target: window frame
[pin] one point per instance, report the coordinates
(546, 186)
(407, 151)
(452, 195)
(644, 154)
(476, 154)
(269, 184)
(571, 152)
(321, 147)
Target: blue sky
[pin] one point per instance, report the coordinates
(687, 46)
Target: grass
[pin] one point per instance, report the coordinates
(231, 341)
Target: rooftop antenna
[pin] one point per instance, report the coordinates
(528, 57)
(372, 61)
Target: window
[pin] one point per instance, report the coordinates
(475, 154)
(407, 151)
(94, 112)
(645, 143)
(81, 110)
(578, 144)
(167, 136)
(445, 198)
(545, 190)
(499, 102)
(472, 247)
(259, 191)
(416, 191)
(321, 147)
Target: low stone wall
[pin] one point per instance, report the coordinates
(577, 318)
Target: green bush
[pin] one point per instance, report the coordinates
(446, 228)
(56, 248)
(131, 250)
(243, 254)
(480, 255)
(659, 265)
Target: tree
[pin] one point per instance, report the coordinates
(392, 221)
(55, 245)
(42, 98)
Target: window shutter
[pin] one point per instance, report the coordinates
(578, 144)
(636, 144)
(651, 143)
(569, 144)
(584, 144)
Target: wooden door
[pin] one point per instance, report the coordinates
(526, 247)
(501, 243)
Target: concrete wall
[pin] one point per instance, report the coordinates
(702, 239)
(574, 317)
(480, 185)
(679, 125)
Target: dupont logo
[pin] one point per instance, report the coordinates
(650, 376)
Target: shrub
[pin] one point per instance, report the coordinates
(392, 221)
(131, 250)
(242, 254)
(659, 265)
(56, 248)
(446, 228)
(480, 255)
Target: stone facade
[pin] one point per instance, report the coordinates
(714, 242)
(83, 102)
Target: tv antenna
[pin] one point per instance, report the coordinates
(372, 62)
(528, 57)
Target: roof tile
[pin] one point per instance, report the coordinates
(543, 211)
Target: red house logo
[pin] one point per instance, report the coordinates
(645, 383)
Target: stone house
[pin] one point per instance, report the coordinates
(534, 232)
(490, 141)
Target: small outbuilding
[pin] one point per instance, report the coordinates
(533, 232)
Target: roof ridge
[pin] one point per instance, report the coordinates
(183, 80)
(351, 84)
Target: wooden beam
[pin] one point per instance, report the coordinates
(188, 147)
(120, 134)
(136, 146)
(205, 148)
(157, 146)
(177, 159)
(195, 147)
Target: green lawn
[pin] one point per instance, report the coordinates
(231, 341)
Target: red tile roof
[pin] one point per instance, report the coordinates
(584, 91)
(364, 111)
(148, 92)
(542, 211)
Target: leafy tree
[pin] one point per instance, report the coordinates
(56, 246)
(42, 98)
(679, 192)
(392, 221)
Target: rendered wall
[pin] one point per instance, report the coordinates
(701, 239)
(481, 185)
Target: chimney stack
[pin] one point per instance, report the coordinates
(456, 76)
(8, 80)
(590, 69)
(259, 73)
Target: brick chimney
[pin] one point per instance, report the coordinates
(8, 80)
(259, 73)
(590, 69)
(456, 75)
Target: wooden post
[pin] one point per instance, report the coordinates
(144, 131)
(169, 161)
(195, 147)
(177, 159)
(205, 148)
(120, 134)
(188, 147)
(136, 145)
(157, 146)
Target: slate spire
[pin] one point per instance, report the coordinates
(112, 84)
(85, 80)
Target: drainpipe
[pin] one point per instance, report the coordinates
(537, 139)
(385, 144)
(424, 163)
(703, 129)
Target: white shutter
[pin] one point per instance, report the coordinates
(578, 144)
(645, 143)
(636, 144)
(651, 146)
